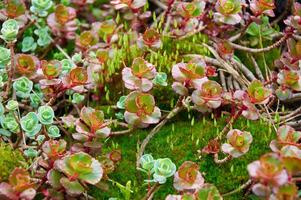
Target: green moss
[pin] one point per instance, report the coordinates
(9, 159)
(180, 142)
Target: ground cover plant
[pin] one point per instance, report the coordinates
(150, 99)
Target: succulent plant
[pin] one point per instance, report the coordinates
(258, 93)
(147, 162)
(45, 115)
(31, 153)
(23, 87)
(91, 124)
(134, 4)
(10, 123)
(19, 186)
(249, 110)
(139, 76)
(15, 8)
(163, 169)
(4, 57)
(191, 9)
(12, 105)
(285, 135)
(54, 149)
(62, 22)
(27, 64)
(41, 7)
(188, 178)
(293, 20)
(228, 11)
(207, 96)
(141, 110)
(150, 38)
(53, 131)
(44, 36)
(290, 79)
(291, 156)
(77, 98)
(270, 171)
(86, 39)
(9, 30)
(28, 44)
(66, 66)
(78, 76)
(51, 69)
(209, 192)
(106, 30)
(30, 124)
(80, 166)
(259, 7)
(238, 143)
(188, 75)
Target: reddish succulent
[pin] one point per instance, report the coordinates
(188, 178)
(62, 22)
(259, 7)
(139, 76)
(27, 64)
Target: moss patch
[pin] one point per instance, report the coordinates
(9, 159)
(180, 141)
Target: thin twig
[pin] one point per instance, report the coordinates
(257, 69)
(242, 187)
(224, 160)
(261, 50)
(155, 130)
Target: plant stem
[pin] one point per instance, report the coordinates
(10, 71)
(244, 186)
(151, 192)
(155, 130)
(222, 161)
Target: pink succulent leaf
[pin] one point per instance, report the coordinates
(7, 192)
(230, 19)
(261, 190)
(179, 88)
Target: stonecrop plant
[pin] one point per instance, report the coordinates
(150, 99)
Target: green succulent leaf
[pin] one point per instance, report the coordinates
(53, 131)
(28, 44)
(9, 30)
(45, 115)
(30, 124)
(23, 87)
(12, 105)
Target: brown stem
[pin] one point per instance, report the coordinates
(261, 50)
(151, 192)
(222, 161)
(123, 132)
(155, 130)
(11, 70)
(242, 187)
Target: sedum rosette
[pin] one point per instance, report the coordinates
(23, 87)
(238, 143)
(91, 124)
(139, 76)
(141, 110)
(187, 75)
(228, 11)
(188, 178)
(46, 115)
(208, 96)
(163, 169)
(269, 171)
(9, 30)
(81, 166)
(30, 124)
